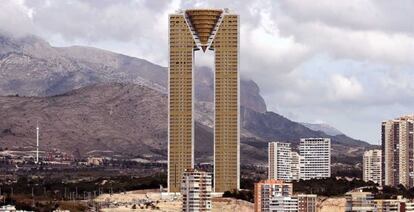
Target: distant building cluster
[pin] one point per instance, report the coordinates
(359, 201)
(393, 165)
(312, 161)
(277, 195)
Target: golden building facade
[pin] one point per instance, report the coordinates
(190, 31)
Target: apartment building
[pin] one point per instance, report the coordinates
(277, 195)
(315, 158)
(397, 151)
(196, 191)
(265, 190)
(295, 165)
(279, 161)
(307, 202)
(372, 166)
(359, 202)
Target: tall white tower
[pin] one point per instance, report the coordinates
(280, 161)
(37, 143)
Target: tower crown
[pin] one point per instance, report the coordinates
(204, 23)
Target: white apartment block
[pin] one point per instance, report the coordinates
(295, 165)
(297, 203)
(315, 158)
(372, 162)
(196, 191)
(279, 161)
(277, 195)
(283, 204)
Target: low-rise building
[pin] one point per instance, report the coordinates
(390, 205)
(265, 190)
(283, 204)
(359, 202)
(307, 202)
(277, 195)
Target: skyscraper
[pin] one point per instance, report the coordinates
(189, 31)
(279, 161)
(397, 151)
(372, 166)
(315, 158)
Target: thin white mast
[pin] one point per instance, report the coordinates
(37, 143)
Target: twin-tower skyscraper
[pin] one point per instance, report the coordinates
(189, 31)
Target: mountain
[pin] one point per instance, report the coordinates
(131, 120)
(29, 66)
(326, 128)
(95, 100)
(127, 119)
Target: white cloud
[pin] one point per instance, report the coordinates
(15, 18)
(344, 88)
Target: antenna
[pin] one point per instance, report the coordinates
(37, 143)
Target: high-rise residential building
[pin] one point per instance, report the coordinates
(196, 191)
(307, 202)
(315, 158)
(189, 31)
(359, 202)
(279, 161)
(372, 166)
(295, 165)
(265, 190)
(397, 151)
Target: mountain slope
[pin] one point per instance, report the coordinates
(29, 66)
(327, 129)
(131, 120)
(101, 115)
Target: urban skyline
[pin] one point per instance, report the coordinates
(208, 106)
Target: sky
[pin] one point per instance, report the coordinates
(349, 64)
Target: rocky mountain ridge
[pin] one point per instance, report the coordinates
(91, 99)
